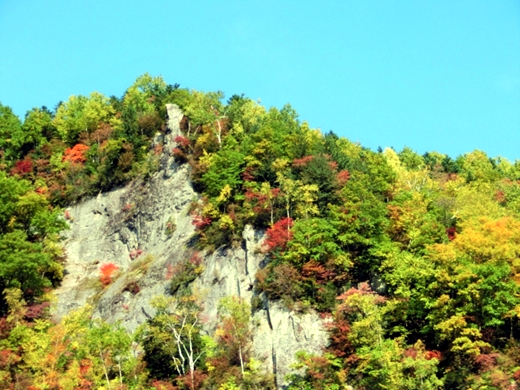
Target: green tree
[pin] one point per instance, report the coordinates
(110, 346)
(11, 135)
(410, 159)
(233, 333)
(383, 362)
(205, 109)
(225, 169)
(81, 114)
(175, 332)
(477, 166)
(29, 258)
(38, 128)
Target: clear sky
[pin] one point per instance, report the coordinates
(431, 75)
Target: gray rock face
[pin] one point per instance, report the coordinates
(129, 227)
(132, 228)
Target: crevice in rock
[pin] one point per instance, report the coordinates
(268, 313)
(146, 314)
(273, 358)
(295, 334)
(246, 256)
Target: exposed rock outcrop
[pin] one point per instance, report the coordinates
(132, 227)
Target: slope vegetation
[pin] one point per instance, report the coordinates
(412, 260)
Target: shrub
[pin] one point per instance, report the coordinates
(186, 272)
(107, 271)
(170, 226)
(22, 167)
(162, 385)
(132, 287)
(280, 281)
(182, 141)
(135, 253)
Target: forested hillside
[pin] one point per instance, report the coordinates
(414, 260)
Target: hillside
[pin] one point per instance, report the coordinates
(192, 243)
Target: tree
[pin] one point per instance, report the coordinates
(316, 239)
(225, 169)
(83, 114)
(383, 362)
(411, 160)
(28, 233)
(110, 345)
(205, 109)
(143, 111)
(77, 353)
(294, 190)
(261, 201)
(25, 265)
(278, 235)
(323, 372)
(38, 128)
(175, 331)
(233, 333)
(11, 134)
(320, 171)
(477, 166)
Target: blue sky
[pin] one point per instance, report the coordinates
(431, 75)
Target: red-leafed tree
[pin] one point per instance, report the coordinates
(22, 167)
(263, 201)
(302, 162)
(278, 235)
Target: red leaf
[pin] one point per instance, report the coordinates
(278, 235)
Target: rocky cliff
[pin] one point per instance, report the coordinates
(131, 227)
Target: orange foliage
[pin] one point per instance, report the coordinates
(343, 177)
(107, 270)
(76, 155)
(487, 239)
(434, 354)
(301, 162)
(315, 271)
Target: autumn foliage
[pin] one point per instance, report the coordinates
(278, 235)
(107, 271)
(76, 155)
(412, 261)
(22, 167)
(200, 222)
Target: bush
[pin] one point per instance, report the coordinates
(186, 272)
(107, 271)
